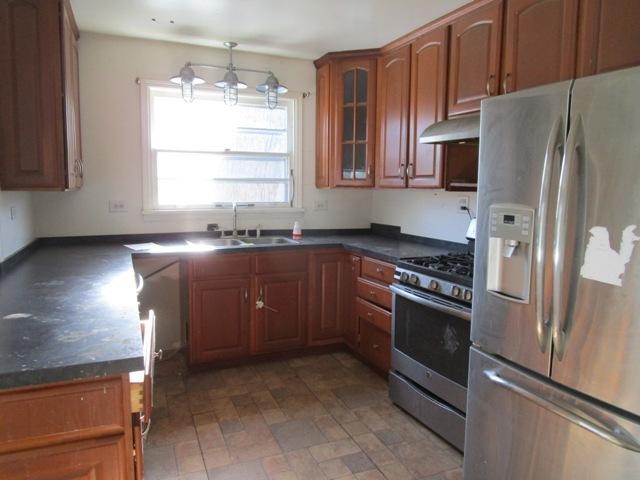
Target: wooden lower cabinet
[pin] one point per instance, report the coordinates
(75, 430)
(280, 312)
(350, 271)
(375, 345)
(219, 327)
(326, 292)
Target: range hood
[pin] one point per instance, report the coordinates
(456, 130)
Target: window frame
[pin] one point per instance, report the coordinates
(150, 204)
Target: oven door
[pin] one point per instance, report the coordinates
(431, 340)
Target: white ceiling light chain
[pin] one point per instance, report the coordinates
(187, 78)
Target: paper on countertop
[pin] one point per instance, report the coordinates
(142, 246)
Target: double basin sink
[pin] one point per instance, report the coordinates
(239, 242)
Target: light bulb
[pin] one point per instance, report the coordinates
(272, 98)
(231, 94)
(187, 92)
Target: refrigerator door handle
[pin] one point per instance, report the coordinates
(543, 323)
(560, 315)
(606, 429)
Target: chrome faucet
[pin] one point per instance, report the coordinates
(235, 219)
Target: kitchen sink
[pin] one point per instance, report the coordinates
(269, 241)
(216, 242)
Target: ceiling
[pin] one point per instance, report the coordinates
(290, 28)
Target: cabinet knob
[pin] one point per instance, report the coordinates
(375, 346)
(372, 294)
(505, 84)
(490, 85)
(379, 269)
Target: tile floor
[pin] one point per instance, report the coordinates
(318, 417)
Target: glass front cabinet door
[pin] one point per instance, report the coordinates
(354, 122)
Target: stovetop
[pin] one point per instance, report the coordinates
(455, 267)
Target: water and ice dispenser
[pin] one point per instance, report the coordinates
(510, 251)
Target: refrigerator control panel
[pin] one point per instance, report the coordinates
(510, 251)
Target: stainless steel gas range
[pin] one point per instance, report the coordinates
(431, 339)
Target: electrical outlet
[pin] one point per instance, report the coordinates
(321, 205)
(117, 206)
(463, 204)
(13, 212)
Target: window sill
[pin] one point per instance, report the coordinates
(213, 212)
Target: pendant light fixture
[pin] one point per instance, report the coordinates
(230, 83)
(271, 88)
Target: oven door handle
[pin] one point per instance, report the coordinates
(465, 315)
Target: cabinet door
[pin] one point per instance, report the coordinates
(281, 312)
(609, 36)
(219, 323)
(99, 459)
(539, 43)
(474, 58)
(323, 125)
(350, 273)
(428, 103)
(71, 99)
(327, 290)
(394, 73)
(31, 107)
(353, 119)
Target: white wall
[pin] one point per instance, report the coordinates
(427, 213)
(18, 232)
(110, 121)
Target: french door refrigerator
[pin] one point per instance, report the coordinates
(554, 381)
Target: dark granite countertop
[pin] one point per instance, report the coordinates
(69, 312)
(376, 246)
(69, 309)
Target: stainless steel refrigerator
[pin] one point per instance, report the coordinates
(554, 381)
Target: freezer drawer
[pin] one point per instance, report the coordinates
(521, 427)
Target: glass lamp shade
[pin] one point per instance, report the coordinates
(187, 79)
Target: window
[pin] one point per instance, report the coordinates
(205, 154)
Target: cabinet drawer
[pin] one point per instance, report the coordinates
(281, 262)
(375, 315)
(375, 345)
(375, 293)
(377, 270)
(212, 266)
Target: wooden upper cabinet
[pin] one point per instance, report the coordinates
(354, 114)
(474, 60)
(280, 312)
(609, 36)
(219, 320)
(39, 96)
(73, 146)
(428, 104)
(539, 43)
(394, 71)
(323, 125)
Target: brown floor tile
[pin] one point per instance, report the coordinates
(319, 417)
(296, 434)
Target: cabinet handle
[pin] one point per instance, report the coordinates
(401, 170)
(379, 270)
(375, 346)
(246, 294)
(368, 171)
(369, 315)
(504, 83)
(410, 171)
(489, 84)
(158, 355)
(372, 294)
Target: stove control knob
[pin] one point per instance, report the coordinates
(404, 276)
(414, 279)
(433, 285)
(455, 291)
(468, 295)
